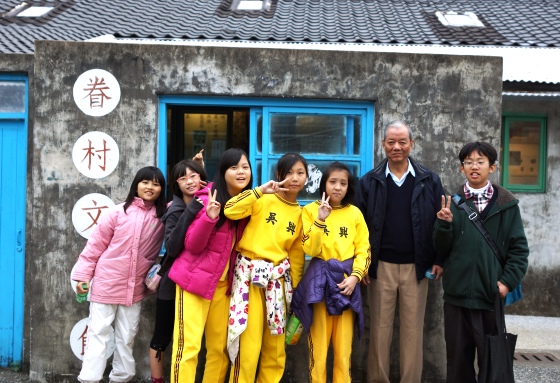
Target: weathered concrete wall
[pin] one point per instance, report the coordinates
(541, 285)
(447, 99)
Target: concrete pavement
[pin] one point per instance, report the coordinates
(538, 338)
(538, 341)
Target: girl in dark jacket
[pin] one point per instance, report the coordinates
(187, 177)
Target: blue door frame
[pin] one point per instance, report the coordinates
(258, 105)
(13, 170)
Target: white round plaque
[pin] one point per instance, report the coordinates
(88, 211)
(97, 92)
(78, 339)
(95, 154)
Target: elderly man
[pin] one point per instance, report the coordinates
(399, 199)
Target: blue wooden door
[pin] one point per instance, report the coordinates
(13, 164)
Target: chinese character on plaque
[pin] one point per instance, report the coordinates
(95, 154)
(88, 211)
(78, 339)
(96, 92)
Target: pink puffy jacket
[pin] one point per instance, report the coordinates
(119, 253)
(206, 253)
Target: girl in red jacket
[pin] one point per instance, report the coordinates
(119, 252)
(202, 275)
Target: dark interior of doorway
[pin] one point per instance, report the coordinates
(214, 129)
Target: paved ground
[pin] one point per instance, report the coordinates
(537, 336)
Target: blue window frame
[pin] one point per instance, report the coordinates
(322, 131)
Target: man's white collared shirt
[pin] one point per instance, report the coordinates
(400, 181)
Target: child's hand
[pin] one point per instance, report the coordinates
(324, 208)
(81, 290)
(503, 289)
(213, 207)
(198, 158)
(348, 285)
(272, 187)
(445, 212)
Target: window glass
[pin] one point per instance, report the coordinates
(312, 133)
(524, 154)
(12, 97)
(315, 169)
(259, 132)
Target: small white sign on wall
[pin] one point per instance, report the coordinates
(95, 154)
(97, 92)
(88, 211)
(78, 339)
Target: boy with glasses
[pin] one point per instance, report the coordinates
(472, 273)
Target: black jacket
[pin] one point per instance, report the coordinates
(177, 220)
(426, 202)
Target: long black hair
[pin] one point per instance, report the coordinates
(230, 157)
(148, 173)
(180, 170)
(350, 192)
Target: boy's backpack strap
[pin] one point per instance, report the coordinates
(474, 218)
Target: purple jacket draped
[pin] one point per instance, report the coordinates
(319, 283)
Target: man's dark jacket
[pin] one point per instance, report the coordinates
(371, 199)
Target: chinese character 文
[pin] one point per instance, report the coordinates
(95, 207)
(91, 152)
(343, 232)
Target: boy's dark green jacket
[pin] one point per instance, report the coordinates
(471, 269)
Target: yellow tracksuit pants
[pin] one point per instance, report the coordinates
(257, 341)
(339, 329)
(195, 317)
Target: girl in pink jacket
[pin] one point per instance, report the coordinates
(203, 277)
(119, 252)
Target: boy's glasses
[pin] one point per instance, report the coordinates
(469, 164)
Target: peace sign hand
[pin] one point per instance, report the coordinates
(324, 208)
(272, 187)
(213, 207)
(445, 212)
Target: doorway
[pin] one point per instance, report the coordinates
(13, 171)
(191, 129)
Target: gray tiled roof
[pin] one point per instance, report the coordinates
(508, 22)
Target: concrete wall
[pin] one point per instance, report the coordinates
(541, 285)
(447, 99)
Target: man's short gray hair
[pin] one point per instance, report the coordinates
(397, 124)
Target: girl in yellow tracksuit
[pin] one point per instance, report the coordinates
(269, 262)
(327, 300)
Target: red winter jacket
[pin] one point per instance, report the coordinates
(206, 253)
